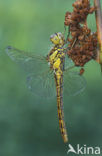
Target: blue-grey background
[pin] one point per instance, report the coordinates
(29, 124)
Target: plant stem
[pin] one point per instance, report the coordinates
(98, 15)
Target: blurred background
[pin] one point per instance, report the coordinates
(29, 124)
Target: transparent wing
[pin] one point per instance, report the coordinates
(42, 85)
(41, 79)
(74, 83)
(30, 62)
(68, 62)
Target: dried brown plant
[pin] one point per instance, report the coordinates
(83, 43)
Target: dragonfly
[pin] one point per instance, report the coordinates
(51, 75)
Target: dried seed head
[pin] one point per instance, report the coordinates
(83, 44)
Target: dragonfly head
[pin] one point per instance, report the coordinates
(57, 39)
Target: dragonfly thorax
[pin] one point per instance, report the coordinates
(56, 55)
(56, 58)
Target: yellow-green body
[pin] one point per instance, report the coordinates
(56, 58)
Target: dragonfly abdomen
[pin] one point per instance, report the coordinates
(59, 90)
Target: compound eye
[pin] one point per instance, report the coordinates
(56, 34)
(52, 36)
(59, 33)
